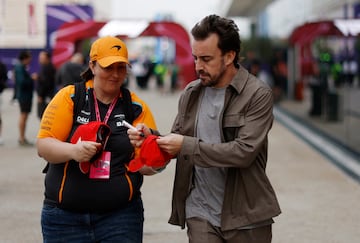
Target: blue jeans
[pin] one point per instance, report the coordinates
(124, 225)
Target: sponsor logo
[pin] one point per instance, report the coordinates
(121, 117)
(82, 120)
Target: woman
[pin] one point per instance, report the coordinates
(83, 206)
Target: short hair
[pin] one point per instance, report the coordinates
(24, 54)
(227, 31)
(47, 53)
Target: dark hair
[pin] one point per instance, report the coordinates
(47, 53)
(226, 29)
(24, 54)
(87, 74)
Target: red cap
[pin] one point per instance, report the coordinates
(150, 155)
(93, 131)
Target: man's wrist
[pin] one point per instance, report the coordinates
(154, 132)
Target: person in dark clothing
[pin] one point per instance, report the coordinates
(142, 69)
(45, 81)
(174, 73)
(3, 77)
(318, 85)
(279, 74)
(69, 72)
(24, 90)
(3, 80)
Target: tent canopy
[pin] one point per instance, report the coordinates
(349, 27)
(130, 28)
(307, 32)
(304, 35)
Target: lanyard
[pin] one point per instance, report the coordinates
(97, 112)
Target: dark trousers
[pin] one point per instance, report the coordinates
(316, 100)
(41, 108)
(201, 231)
(124, 225)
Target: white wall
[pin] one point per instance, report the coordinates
(283, 15)
(15, 29)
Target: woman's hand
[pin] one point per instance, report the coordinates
(55, 151)
(83, 151)
(137, 137)
(147, 170)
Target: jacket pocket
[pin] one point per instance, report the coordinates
(232, 124)
(234, 120)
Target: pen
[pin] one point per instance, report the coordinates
(128, 125)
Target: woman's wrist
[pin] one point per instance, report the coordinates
(156, 171)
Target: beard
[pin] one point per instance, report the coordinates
(211, 80)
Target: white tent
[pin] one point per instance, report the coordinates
(130, 28)
(349, 27)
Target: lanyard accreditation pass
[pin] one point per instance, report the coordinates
(100, 169)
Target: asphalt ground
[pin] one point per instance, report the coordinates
(320, 203)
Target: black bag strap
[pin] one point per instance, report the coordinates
(79, 98)
(128, 106)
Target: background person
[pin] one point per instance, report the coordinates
(279, 72)
(174, 76)
(256, 69)
(160, 71)
(45, 81)
(86, 207)
(24, 86)
(220, 137)
(70, 72)
(3, 85)
(142, 69)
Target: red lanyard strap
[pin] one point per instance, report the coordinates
(108, 113)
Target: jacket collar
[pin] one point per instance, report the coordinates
(238, 83)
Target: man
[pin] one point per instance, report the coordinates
(69, 72)
(219, 136)
(45, 81)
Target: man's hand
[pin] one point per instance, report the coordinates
(171, 143)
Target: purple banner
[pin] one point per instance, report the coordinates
(356, 10)
(56, 15)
